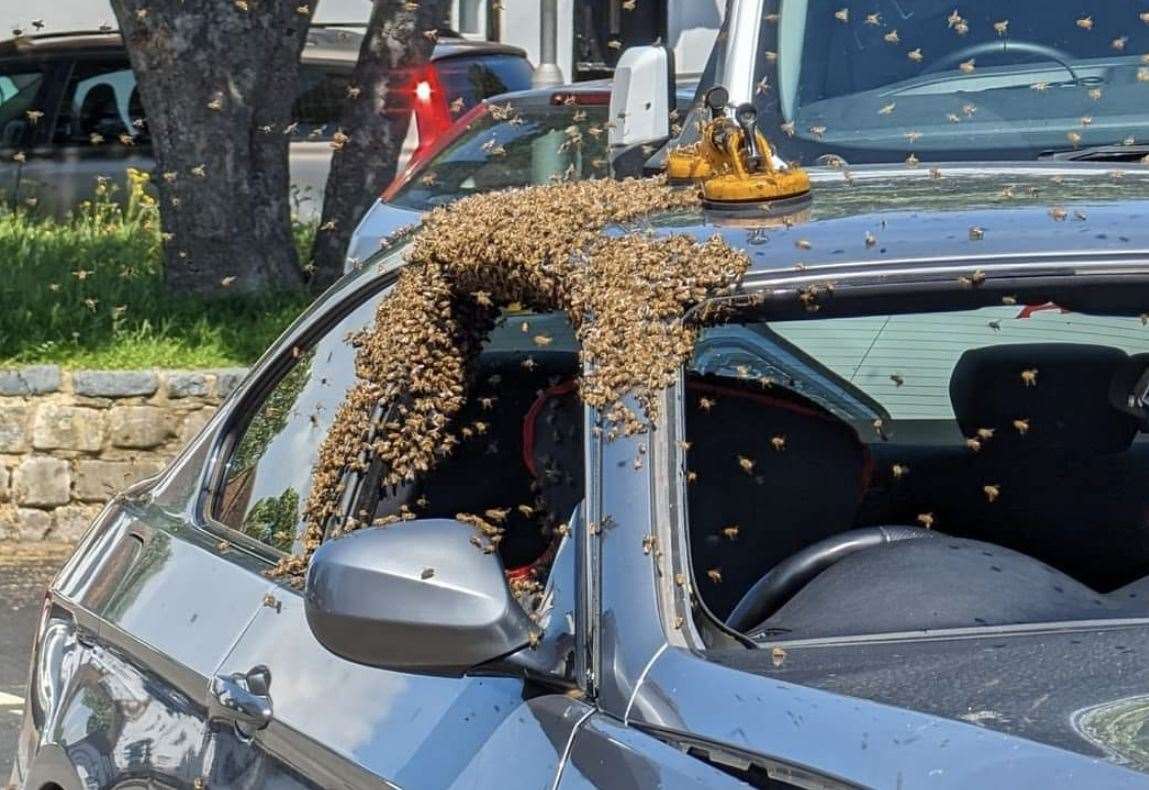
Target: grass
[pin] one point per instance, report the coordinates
(88, 292)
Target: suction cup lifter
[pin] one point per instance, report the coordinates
(735, 164)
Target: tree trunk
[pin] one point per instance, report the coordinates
(399, 38)
(218, 81)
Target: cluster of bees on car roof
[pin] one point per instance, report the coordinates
(539, 249)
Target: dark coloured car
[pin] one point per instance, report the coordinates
(69, 104)
(889, 531)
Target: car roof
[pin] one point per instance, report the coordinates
(1028, 211)
(324, 43)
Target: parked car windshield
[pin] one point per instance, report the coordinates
(880, 80)
(512, 145)
(1005, 443)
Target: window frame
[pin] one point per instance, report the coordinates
(240, 415)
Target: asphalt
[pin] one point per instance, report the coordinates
(25, 571)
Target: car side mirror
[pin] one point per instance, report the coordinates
(416, 596)
(641, 96)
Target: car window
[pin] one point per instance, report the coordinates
(529, 144)
(268, 473)
(1016, 430)
(466, 81)
(20, 85)
(101, 106)
(319, 102)
(518, 462)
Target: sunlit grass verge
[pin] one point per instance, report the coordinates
(89, 292)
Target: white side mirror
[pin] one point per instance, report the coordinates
(640, 96)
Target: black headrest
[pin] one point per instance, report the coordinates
(1061, 392)
(773, 472)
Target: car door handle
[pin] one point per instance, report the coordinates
(242, 698)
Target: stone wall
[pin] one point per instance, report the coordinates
(71, 440)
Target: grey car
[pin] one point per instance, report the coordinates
(888, 531)
(69, 104)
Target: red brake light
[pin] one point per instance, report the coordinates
(432, 115)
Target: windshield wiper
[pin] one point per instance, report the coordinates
(1100, 153)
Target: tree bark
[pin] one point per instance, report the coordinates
(399, 39)
(218, 81)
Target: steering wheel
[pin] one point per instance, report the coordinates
(1006, 45)
(790, 575)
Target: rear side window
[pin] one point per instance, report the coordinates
(319, 103)
(19, 86)
(268, 473)
(101, 105)
(467, 81)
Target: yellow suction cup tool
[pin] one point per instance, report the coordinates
(736, 165)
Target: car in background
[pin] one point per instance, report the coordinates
(69, 104)
(513, 140)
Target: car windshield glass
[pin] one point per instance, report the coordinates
(512, 146)
(880, 80)
(1010, 439)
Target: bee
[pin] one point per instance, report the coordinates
(216, 102)
(1002, 27)
(429, 180)
(629, 5)
(1143, 75)
(874, 19)
(973, 444)
(787, 128)
(912, 160)
(199, 170)
(992, 492)
(1022, 426)
(936, 173)
(730, 533)
(492, 148)
(976, 233)
(614, 43)
(803, 244)
(899, 471)
(715, 575)
(887, 108)
(953, 117)
(223, 545)
(892, 37)
(915, 55)
(954, 19)
(967, 66)
(20, 157)
(817, 131)
(1009, 300)
(1144, 17)
(926, 520)
(747, 464)
(777, 656)
(33, 116)
(879, 429)
(1058, 214)
(678, 621)
(897, 379)
(426, 573)
(870, 239)
(778, 442)
(1085, 23)
(842, 15)
(974, 280)
(771, 56)
(648, 543)
(1029, 377)
(542, 341)
(1086, 120)
(339, 139)
(968, 110)
(95, 138)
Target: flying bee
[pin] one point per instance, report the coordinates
(953, 117)
(985, 433)
(778, 442)
(899, 471)
(33, 116)
(715, 575)
(974, 280)
(915, 55)
(967, 66)
(1029, 377)
(1022, 426)
(992, 492)
(912, 161)
(787, 128)
(936, 173)
(887, 108)
(730, 533)
(870, 239)
(973, 444)
(648, 543)
(874, 19)
(747, 464)
(1002, 27)
(954, 18)
(1058, 213)
(817, 131)
(976, 233)
(777, 656)
(216, 102)
(1085, 23)
(542, 341)
(842, 15)
(897, 379)
(926, 520)
(912, 136)
(803, 244)
(892, 37)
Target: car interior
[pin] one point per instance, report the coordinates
(1028, 503)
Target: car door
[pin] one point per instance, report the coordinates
(346, 724)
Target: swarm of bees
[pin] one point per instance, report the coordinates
(625, 295)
